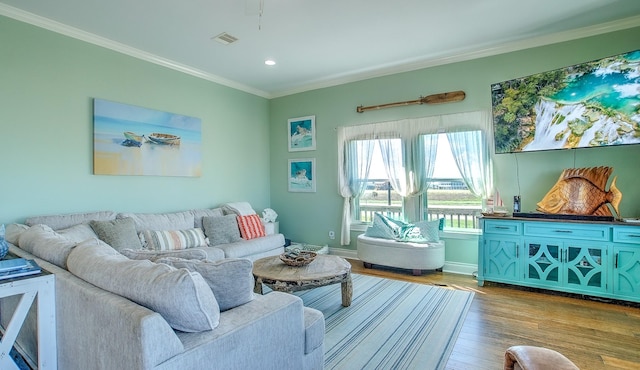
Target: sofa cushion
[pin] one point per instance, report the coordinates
(143, 254)
(198, 214)
(161, 221)
(43, 242)
(221, 230)
(13, 232)
(182, 297)
(251, 227)
(238, 208)
(57, 222)
(119, 233)
(162, 240)
(382, 227)
(429, 230)
(230, 280)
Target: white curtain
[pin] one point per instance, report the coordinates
(408, 167)
(473, 157)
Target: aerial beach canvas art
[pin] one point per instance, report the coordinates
(131, 140)
(593, 104)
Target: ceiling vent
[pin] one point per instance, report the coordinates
(225, 38)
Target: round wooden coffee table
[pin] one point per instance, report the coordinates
(324, 270)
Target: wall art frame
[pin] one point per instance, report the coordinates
(132, 140)
(302, 175)
(301, 134)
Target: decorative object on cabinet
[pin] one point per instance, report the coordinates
(582, 191)
(301, 133)
(591, 258)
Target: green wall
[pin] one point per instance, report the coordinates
(48, 81)
(47, 84)
(309, 217)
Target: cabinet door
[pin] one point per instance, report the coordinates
(543, 262)
(501, 258)
(626, 272)
(585, 267)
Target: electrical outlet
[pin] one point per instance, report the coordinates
(332, 235)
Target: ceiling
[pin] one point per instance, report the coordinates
(319, 43)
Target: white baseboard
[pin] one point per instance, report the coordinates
(450, 267)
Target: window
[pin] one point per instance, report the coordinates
(448, 196)
(379, 195)
(395, 167)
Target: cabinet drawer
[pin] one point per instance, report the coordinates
(502, 227)
(623, 234)
(568, 231)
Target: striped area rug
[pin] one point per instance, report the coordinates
(390, 324)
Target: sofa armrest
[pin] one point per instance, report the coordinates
(128, 335)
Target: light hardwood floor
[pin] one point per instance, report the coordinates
(592, 334)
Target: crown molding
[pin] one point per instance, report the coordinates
(469, 55)
(465, 55)
(78, 34)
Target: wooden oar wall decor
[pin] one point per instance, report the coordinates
(447, 97)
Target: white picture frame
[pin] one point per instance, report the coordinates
(302, 175)
(301, 133)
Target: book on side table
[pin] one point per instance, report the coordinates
(17, 267)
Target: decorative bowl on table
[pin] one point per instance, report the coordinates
(297, 257)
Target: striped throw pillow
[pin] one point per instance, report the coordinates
(250, 227)
(164, 240)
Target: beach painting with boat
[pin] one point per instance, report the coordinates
(132, 140)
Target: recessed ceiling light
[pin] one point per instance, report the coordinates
(270, 62)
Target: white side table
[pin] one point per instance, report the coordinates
(40, 287)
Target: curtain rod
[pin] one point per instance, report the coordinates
(447, 97)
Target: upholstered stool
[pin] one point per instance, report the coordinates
(536, 358)
(404, 255)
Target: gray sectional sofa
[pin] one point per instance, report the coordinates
(134, 308)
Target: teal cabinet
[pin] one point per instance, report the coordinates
(598, 258)
(502, 259)
(626, 262)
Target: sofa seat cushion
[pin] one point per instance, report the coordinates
(230, 280)
(57, 222)
(183, 298)
(313, 329)
(254, 247)
(161, 221)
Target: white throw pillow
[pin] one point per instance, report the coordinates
(163, 240)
